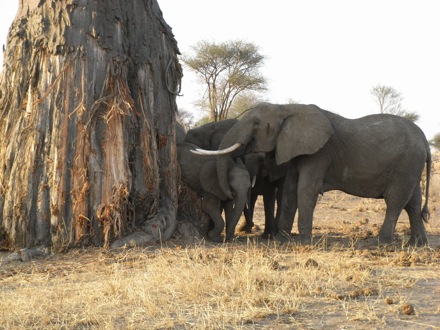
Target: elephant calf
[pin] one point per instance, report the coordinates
(200, 173)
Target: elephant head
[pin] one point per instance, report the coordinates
(210, 135)
(288, 130)
(200, 173)
(239, 180)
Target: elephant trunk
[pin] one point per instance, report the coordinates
(223, 163)
(237, 135)
(233, 212)
(240, 182)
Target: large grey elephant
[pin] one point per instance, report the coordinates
(200, 173)
(377, 156)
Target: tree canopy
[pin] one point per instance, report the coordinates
(435, 142)
(390, 101)
(228, 69)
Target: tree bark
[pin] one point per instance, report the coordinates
(87, 109)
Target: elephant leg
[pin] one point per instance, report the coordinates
(269, 208)
(230, 225)
(396, 198)
(279, 200)
(386, 233)
(413, 208)
(289, 204)
(310, 181)
(211, 205)
(306, 205)
(249, 214)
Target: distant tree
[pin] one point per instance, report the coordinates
(228, 69)
(243, 102)
(202, 121)
(390, 101)
(185, 118)
(435, 142)
(292, 101)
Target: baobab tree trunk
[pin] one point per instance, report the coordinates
(87, 109)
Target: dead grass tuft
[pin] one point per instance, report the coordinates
(206, 286)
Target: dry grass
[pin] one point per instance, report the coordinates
(343, 281)
(207, 286)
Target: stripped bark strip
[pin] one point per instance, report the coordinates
(86, 107)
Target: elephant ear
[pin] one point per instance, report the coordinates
(302, 133)
(209, 179)
(239, 163)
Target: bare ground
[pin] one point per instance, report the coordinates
(343, 281)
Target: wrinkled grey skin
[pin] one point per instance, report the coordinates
(377, 156)
(200, 173)
(180, 133)
(269, 181)
(210, 135)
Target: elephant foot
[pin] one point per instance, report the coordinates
(215, 237)
(418, 241)
(385, 238)
(268, 235)
(303, 239)
(247, 227)
(229, 238)
(283, 237)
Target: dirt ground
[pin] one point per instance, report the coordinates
(400, 288)
(348, 222)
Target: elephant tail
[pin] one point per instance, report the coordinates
(425, 210)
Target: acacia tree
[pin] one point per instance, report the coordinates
(435, 141)
(243, 102)
(227, 69)
(390, 101)
(87, 109)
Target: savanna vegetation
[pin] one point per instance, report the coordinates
(93, 129)
(343, 280)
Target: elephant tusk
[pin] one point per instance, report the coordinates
(254, 179)
(199, 151)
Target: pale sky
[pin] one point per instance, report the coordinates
(329, 53)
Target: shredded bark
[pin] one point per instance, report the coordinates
(87, 112)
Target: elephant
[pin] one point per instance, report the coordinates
(200, 173)
(210, 135)
(268, 182)
(180, 133)
(377, 156)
